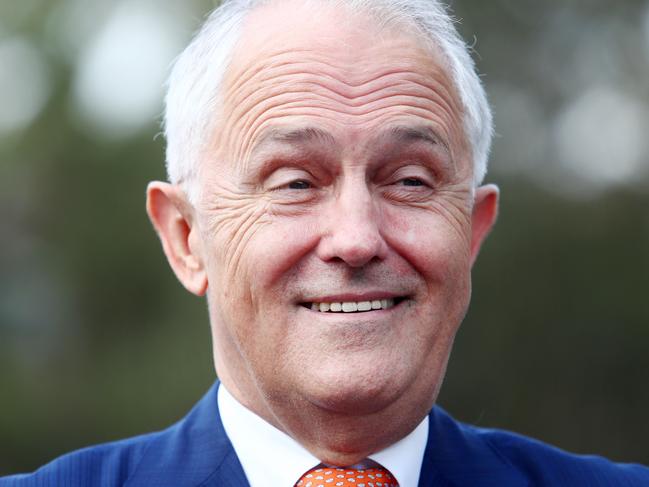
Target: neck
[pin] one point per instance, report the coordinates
(336, 438)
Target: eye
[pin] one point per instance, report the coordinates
(412, 182)
(290, 179)
(299, 184)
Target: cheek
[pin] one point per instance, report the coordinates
(256, 251)
(258, 295)
(434, 245)
(229, 223)
(278, 248)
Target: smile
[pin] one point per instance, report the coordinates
(353, 306)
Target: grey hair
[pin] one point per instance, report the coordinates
(191, 103)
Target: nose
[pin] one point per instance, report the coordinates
(352, 228)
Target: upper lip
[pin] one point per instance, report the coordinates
(353, 297)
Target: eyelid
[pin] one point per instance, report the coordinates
(414, 171)
(282, 177)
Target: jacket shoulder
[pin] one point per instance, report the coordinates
(106, 465)
(463, 454)
(194, 451)
(544, 464)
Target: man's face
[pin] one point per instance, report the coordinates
(339, 178)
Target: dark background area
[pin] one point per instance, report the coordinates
(98, 341)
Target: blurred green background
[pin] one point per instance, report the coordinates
(98, 341)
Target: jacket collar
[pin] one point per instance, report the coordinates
(459, 455)
(193, 452)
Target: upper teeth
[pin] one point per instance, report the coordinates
(352, 306)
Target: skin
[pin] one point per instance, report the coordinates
(339, 172)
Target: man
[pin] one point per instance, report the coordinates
(325, 161)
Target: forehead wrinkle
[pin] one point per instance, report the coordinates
(248, 133)
(352, 74)
(357, 95)
(348, 82)
(372, 88)
(267, 91)
(267, 57)
(429, 94)
(234, 79)
(318, 100)
(358, 115)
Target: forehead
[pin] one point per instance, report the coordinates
(318, 65)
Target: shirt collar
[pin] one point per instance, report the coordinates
(404, 458)
(261, 448)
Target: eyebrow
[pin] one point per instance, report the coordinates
(414, 134)
(404, 133)
(305, 135)
(300, 135)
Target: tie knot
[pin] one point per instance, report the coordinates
(347, 477)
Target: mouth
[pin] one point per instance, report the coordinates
(353, 306)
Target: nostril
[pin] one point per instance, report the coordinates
(353, 253)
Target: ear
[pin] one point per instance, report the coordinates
(172, 217)
(485, 211)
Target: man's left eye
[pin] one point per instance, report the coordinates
(299, 184)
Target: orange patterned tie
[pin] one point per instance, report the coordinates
(346, 477)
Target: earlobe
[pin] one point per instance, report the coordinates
(172, 218)
(485, 211)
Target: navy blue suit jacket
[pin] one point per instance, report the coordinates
(196, 452)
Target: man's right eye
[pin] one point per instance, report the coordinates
(290, 179)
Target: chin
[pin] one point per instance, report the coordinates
(357, 392)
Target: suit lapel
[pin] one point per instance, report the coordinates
(430, 477)
(456, 455)
(228, 474)
(193, 453)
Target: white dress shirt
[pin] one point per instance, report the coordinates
(261, 448)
